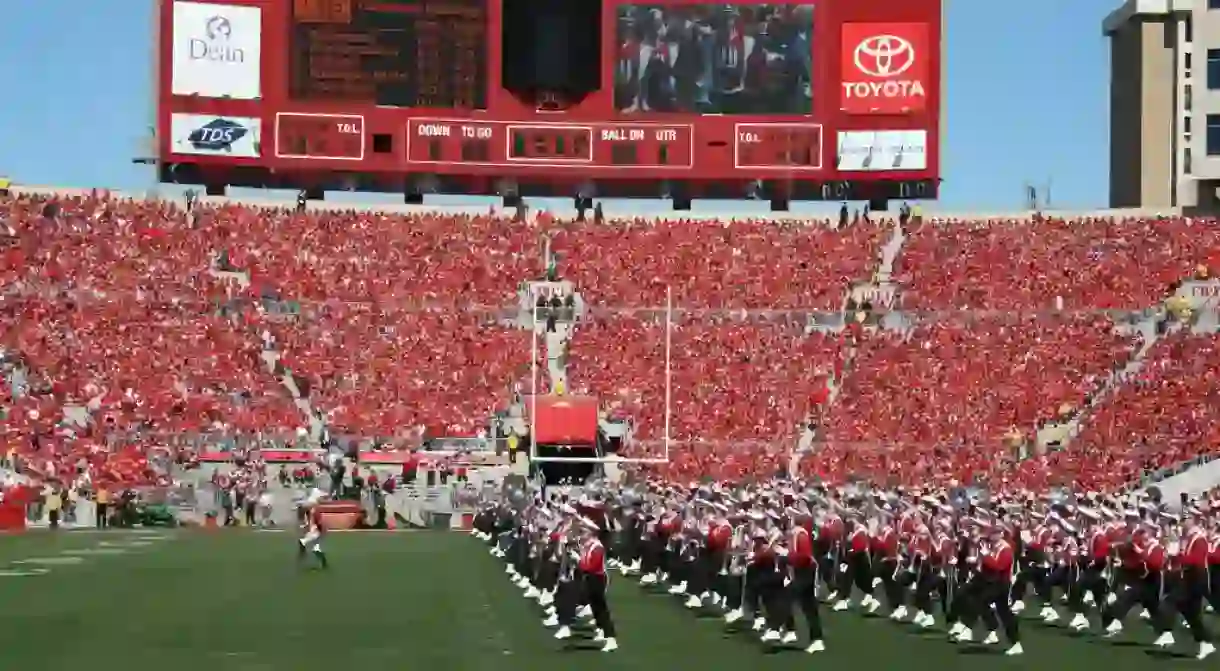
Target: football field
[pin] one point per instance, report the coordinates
(237, 600)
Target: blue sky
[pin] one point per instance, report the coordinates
(1027, 97)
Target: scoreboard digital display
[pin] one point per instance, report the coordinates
(404, 53)
(812, 99)
(460, 142)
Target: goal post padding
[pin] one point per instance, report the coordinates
(565, 420)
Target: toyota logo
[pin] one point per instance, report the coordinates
(884, 56)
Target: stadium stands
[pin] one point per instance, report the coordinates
(128, 324)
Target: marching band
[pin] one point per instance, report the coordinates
(763, 552)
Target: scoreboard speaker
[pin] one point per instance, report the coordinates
(549, 47)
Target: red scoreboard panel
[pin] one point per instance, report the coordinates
(829, 99)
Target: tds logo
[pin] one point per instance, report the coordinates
(218, 135)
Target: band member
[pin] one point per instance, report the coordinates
(1093, 578)
(884, 546)
(1034, 565)
(1192, 586)
(934, 558)
(857, 568)
(803, 583)
(996, 564)
(310, 541)
(1144, 559)
(592, 565)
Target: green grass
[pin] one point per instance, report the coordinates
(235, 601)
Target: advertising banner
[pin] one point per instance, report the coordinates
(211, 135)
(883, 150)
(885, 68)
(217, 51)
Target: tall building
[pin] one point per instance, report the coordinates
(1164, 121)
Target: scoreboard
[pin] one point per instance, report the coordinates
(830, 99)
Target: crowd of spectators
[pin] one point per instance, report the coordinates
(128, 324)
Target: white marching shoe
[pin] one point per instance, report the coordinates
(1079, 623)
(1018, 607)
(991, 639)
(610, 646)
(694, 602)
(599, 636)
(758, 624)
(563, 634)
(1049, 615)
(635, 566)
(899, 614)
(870, 604)
(1015, 650)
(1165, 640)
(680, 588)
(648, 579)
(925, 620)
(584, 613)
(840, 605)
(552, 621)
(770, 636)
(546, 599)
(733, 616)
(963, 635)
(816, 646)
(1205, 650)
(532, 593)
(789, 638)
(1114, 628)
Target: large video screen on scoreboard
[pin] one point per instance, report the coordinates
(714, 58)
(397, 53)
